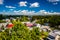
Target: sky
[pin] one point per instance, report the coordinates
(29, 6)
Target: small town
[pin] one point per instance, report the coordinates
(29, 24)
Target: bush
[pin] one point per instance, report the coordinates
(21, 32)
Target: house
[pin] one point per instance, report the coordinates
(54, 35)
(45, 28)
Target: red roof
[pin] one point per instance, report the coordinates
(10, 25)
(29, 24)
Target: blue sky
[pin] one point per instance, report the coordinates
(29, 6)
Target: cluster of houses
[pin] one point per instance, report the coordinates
(53, 34)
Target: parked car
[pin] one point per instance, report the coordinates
(51, 37)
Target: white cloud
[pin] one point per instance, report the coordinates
(43, 12)
(36, 4)
(16, 11)
(10, 7)
(23, 3)
(31, 12)
(27, 12)
(1, 1)
(53, 0)
(24, 11)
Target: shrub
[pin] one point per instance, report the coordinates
(21, 32)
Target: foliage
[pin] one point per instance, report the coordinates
(21, 32)
(53, 20)
(24, 18)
